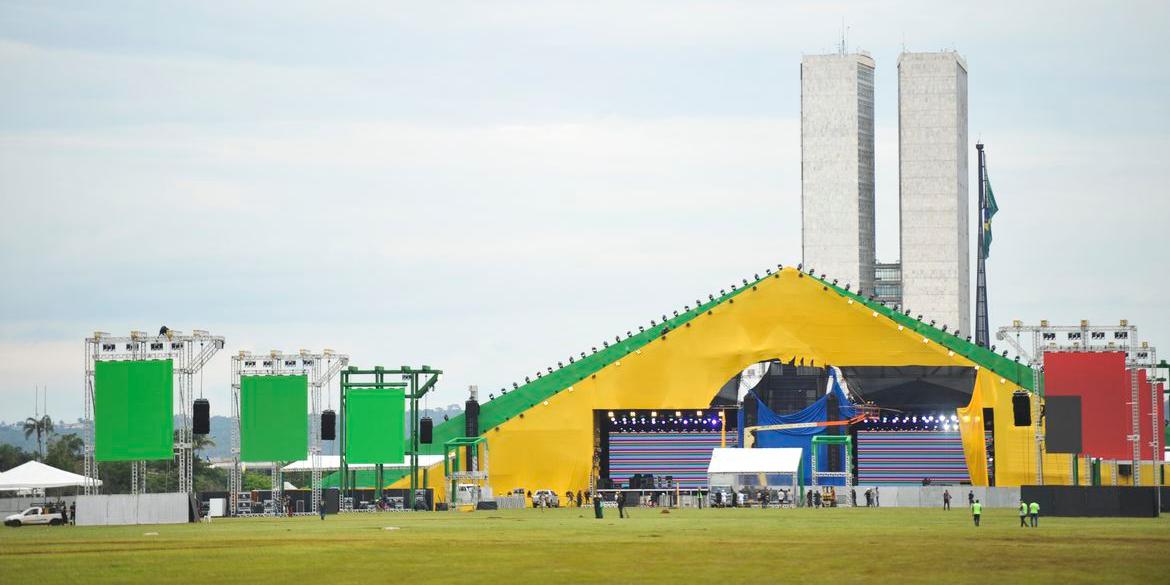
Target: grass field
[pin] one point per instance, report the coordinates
(569, 546)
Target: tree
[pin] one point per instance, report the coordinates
(11, 456)
(65, 453)
(42, 427)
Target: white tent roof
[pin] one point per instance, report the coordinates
(332, 462)
(37, 475)
(727, 460)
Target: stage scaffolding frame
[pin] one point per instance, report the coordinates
(815, 474)
(1122, 337)
(320, 369)
(188, 354)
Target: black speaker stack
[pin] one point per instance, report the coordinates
(201, 425)
(426, 428)
(1022, 409)
(642, 481)
(328, 425)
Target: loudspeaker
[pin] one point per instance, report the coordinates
(201, 425)
(471, 418)
(425, 427)
(328, 425)
(1022, 409)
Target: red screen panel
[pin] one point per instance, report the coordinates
(1103, 383)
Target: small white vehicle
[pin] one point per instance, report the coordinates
(34, 515)
(547, 497)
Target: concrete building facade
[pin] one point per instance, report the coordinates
(933, 199)
(837, 166)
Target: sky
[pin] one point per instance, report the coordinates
(489, 187)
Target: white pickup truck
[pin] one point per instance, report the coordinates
(34, 515)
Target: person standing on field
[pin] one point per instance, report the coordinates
(977, 511)
(1023, 514)
(1034, 510)
(946, 499)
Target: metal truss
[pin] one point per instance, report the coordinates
(319, 368)
(1122, 337)
(188, 353)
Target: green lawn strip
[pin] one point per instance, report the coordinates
(567, 545)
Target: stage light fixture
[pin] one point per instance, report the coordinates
(653, 413)
(633, 414)
(527, 379)
(560, 364)
(605, 344)
(594, 349)
(582, 355)
(722, 292)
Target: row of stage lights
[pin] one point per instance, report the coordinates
(941, 422)
(634, 421)
(108, 344)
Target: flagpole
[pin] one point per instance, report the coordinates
(982, 333)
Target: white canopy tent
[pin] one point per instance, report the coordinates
(37, 475)
(333, 463)
(754, 469)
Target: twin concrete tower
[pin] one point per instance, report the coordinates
(837, 180)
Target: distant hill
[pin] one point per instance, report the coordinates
(221, 432)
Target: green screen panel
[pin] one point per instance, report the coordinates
(274, 418)
(134, 410)
(374, 426)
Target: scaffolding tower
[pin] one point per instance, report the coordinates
(1122, 337)
(319, 368)
(188, 353)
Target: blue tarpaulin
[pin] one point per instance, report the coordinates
(802, 437)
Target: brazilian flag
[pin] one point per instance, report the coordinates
(989, 210)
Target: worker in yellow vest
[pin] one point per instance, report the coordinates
(1034, 510)
(1023, 514)
(977, 511)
